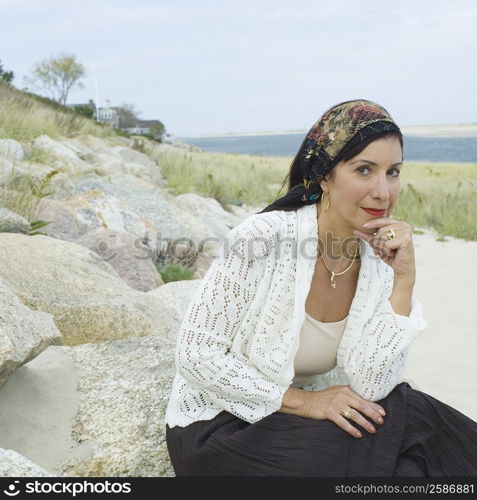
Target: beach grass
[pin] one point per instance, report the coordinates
(23, 195)
(24, 117)
(229, 178)
(441, 196)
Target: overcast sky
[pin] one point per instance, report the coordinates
(237, 66)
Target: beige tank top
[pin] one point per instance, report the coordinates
(318, 347)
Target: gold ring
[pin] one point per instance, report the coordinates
(390, 235)
(346, 413)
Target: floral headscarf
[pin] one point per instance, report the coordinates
(336, 132)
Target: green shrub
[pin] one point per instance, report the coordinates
(84, 110)
(118, 131)
(174, 272)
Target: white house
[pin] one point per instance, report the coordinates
(108, 115)
(143, 127)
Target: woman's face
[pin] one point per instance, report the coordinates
(369, 180)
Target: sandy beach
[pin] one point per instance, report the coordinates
(453, 130)
(442, 360)
(462, 130)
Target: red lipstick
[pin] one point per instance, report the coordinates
(374, 213)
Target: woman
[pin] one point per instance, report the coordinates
(290, 357)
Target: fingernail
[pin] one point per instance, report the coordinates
(382, 412)
(359, 434)
(366, 224)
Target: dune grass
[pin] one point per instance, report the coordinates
(25, 197)
(24, 117)
(229, 178)
(441, 196)
(26, 194)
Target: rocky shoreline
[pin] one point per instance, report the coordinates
(87, 325)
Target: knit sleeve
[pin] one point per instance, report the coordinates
(216, 315)
(376, 364)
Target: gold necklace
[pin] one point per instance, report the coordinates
(333, 274)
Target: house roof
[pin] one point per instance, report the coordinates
(147, 123)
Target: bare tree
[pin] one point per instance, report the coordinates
(57, 76)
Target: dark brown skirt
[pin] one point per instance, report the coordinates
(421, 437)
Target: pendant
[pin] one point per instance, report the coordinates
(332, 278)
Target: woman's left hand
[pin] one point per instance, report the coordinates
(397, 252)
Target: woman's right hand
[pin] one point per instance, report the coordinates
(328, 404)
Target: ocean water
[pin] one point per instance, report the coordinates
(452, 149)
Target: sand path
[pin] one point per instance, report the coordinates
(443, 358)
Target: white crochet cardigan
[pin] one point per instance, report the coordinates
(240, 333)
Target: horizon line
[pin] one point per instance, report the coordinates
(422, 128)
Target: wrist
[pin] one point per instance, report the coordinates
(295, 402)
(401, 297)
(404, 280)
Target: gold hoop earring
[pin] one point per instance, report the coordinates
(328, 200)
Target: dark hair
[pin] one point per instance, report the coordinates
(295, 175)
